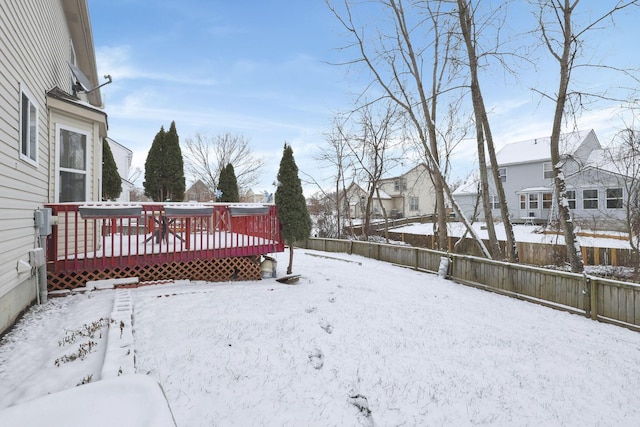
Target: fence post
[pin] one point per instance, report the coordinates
(593, 295)
(417, 257)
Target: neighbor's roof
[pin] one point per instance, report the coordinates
(470, 186)
(539, 149)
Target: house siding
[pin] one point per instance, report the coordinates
(35, 43)
(418, 184)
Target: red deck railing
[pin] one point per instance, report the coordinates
(88, 236)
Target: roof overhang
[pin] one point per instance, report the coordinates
(79, 24)
(59, 100)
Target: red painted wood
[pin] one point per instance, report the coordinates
(78, 244)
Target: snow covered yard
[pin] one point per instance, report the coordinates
(355, 342)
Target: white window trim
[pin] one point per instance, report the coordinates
(414, 206)
(574, 198)
(503, 176)
(531, 201)
(546, 169)
(26, 157)
(88, 163)
(607, 198)
(494, 202)
(597, 199)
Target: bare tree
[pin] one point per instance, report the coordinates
(375, 149)
(206, 157)
(625, 159)
(336, 155)
(563, 42)
(483, 132)
(397, 68)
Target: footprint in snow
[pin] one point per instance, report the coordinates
(316, 358)
(328, 327)
(310, 309)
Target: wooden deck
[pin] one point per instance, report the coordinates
(213, 241)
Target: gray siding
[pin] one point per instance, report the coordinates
(35, 43)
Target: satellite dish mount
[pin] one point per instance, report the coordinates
(82, 83)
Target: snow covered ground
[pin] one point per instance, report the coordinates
(355, 342)
(524, 233)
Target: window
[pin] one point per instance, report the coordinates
(400, 184)
(28, 128)
(547, 170)
(414, 203)
(590, 199)
(523, 201)
(614, 198)
(533, 201)
(502, 172)
(571, 198)
(72, 185)
(547, 200)
(495, 202)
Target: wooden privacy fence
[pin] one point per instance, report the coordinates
(600, 299)
(530, 252)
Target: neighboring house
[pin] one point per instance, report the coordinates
(122, 156)
(50, 140)
(199, 192)
(354, 201)
(595, 193)
(250, 197)
(409, 194)
(412, 193)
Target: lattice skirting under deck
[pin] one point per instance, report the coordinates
(211, 270)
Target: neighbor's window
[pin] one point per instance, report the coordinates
(614, 198)
(547, 200)
(400, 184)
(533, 201)
(495, 202)
(571, 198)
(28, 128)
(523, 201)
(414, 203)
(502, 172)
(73, 166)
(547, 170)
(590, 199)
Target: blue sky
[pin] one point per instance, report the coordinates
(261, 69)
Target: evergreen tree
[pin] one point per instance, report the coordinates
(164, 167)
(173, 165)
(111, 181)
(292, 206)
(153, 166)
(228, 185)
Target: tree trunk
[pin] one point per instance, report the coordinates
(571, 241)
(483, 130)
(290, 266)
(384, 214)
